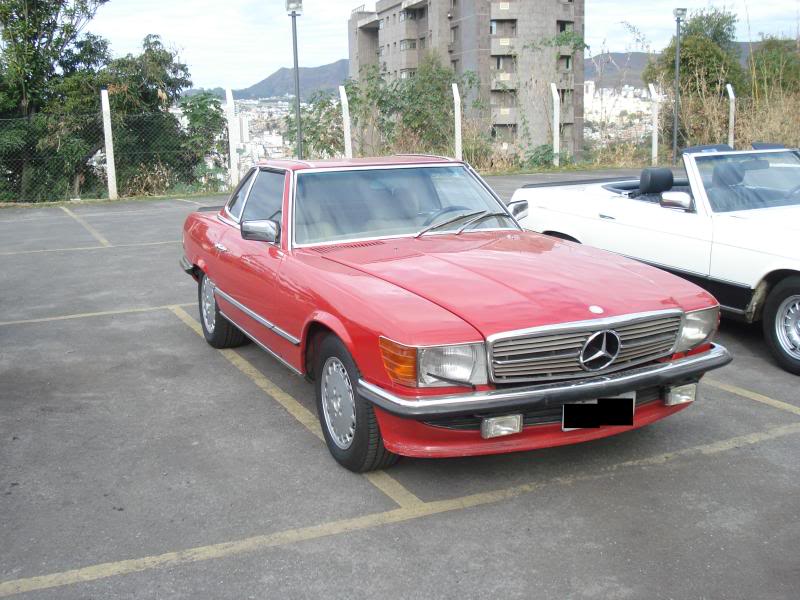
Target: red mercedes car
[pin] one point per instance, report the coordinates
(430, 322)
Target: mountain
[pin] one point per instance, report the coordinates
(611, 69)
(325, 78)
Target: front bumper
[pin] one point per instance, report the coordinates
(546, 395)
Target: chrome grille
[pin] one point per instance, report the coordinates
(553, 353)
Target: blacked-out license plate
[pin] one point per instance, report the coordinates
(596, 413)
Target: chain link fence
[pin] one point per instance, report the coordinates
(63, 157)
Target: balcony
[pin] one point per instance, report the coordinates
(502, 46)
(565, 80)
(414, 4)
(503, 11)
(567, 10)
(369, 22)
(504, 81)
(502, 115)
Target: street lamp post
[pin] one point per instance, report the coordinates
(295, 8)
(680, 15)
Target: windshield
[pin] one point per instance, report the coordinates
(750, 181)
(354, 204)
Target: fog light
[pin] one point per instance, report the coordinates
(681, 394)
(499, 426)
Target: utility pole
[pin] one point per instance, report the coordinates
(295, 8)
(680, 14)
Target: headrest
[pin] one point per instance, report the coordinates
(655, 180)
(727, 174)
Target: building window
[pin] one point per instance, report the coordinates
(499, 63)
(565, 63)
(492, 27)
(454, 65)
(565, 26)
(453, 34)
(422, 43)
(402, 16)
(421, 13)
(380, 24)
(408, 45)
(406, 73)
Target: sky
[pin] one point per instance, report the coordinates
(236, 43)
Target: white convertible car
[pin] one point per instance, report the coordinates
(732, 226)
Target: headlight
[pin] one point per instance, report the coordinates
(449, 365)
(434, 366)
(699, 326)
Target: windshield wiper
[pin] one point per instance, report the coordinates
(478, 218)
(433, 226)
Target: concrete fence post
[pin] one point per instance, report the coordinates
(556, 125)
(233, 137)
(655, 106)
(348, 140)
(731, 114)
(457, 116)
(111, 168)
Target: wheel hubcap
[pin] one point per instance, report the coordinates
(338, 403)
(208, 305)
(787, 326)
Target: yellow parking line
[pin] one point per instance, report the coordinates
(417, 511)
(384, 482)
(95, 234)
(102, 313)
(733, 389)
(136, 245)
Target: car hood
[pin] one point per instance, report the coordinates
(501, 281)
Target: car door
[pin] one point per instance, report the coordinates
(667, 237)
(251, 266)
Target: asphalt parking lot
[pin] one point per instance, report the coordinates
(137, 461)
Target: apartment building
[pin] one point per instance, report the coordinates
(511, 46)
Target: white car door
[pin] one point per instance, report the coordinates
(645, 230)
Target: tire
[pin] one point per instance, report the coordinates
(218, 331)
(359, 446)
(782, 323)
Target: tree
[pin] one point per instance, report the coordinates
(775, 66)
(709, 59)
(44, 56)
(323, 134)
(203, 140)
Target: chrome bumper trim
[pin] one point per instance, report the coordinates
(546, 395)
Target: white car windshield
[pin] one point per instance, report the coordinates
(350, 204)
(752, 180)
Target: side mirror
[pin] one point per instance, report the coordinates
(518, 209)
(261, 231)
(680, 200)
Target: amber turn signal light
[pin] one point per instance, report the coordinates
(400, 362)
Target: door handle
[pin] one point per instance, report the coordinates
(220, 247)
(602, 216)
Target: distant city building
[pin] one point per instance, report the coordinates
(509, 45)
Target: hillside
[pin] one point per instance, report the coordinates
(325, 78)
(614, 68)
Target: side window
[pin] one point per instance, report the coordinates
(266, 197)
(237, 200)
